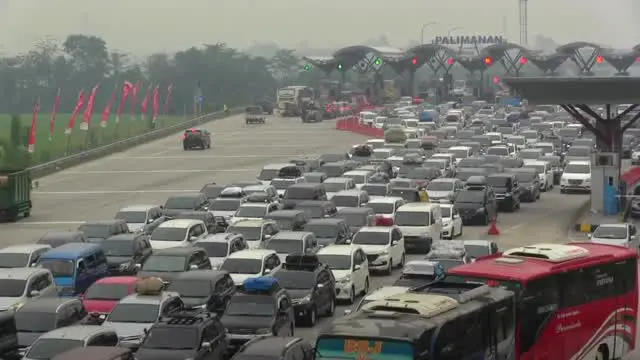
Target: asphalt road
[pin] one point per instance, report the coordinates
(150, 173)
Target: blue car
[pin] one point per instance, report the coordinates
(75, 266)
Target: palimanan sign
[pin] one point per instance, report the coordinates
(468, 40)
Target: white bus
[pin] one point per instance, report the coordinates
(290, 98)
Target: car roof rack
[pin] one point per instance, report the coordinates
(186, 317)
(263, 285)
(301, 262)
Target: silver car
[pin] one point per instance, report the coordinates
(70, 337)
(17, 256)
(20, 285)
(143, 218)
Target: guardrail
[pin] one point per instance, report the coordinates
(66, 162)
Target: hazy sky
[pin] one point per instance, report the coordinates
(145, 26)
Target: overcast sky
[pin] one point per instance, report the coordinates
(146, 26)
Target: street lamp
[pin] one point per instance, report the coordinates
(424, 27)
(453, 29)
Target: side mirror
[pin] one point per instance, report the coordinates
(193, 267)
(589, 235)
(267, 271)
(193, 238)
(348, 241)
(138, 266)
(347, 311)
(394, 243)
(357, 267)
(34, 293)
(149, 221)
(320, 286)
(266, 237)
(634, 237)
(206, 346)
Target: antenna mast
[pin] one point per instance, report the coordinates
(524, 23)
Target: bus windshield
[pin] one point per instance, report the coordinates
(334, 348)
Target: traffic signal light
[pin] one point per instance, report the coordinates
(378, 61)
(307, 67)
(488, 60)
(496, 79)
(523, 60)
(414, 61)
(339, 66)
(451, 61)
(599, 59)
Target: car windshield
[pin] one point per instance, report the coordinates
(382, 208)
(323, 230)
(526, 177)
(470, 197)
(249, 233)
(497, 181)
(314, 178)
(134, 313)
(381, 155)
(214, 249)
(538, 168)
(440, 186)
(250, 305)
(501, 151)
(164, 263)
(225, 204)
(106, 291)
(132, 217)
(35, 321)
(102, 231)
(172, 338)
(345, 200)
(45, 349)
(169, 234)
(251, 211)
(295, 280)
(242, 266)
(460, 154)
(601, 232)
(579, 151)
(336, 262)
(412, 218)
(530, 134)
(577, 169)
(117, 247)
(353, 219)
(268, 174)
(545, 148)
(477, 251)
(212, 191)
(282, 184)
(448, 264)
(517, 140)
(14, 260)
(446, 211)
(12, 287)
(358, 179)
(302, 193)
(191, 288)
(529, 155)
(180, 203)
(376, 190)
(283, 246)
(371, 238)
(334, 186)
(59, 267)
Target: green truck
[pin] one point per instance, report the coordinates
(15, 194)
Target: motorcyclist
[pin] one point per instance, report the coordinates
(225, 108)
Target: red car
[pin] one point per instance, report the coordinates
(103, 295)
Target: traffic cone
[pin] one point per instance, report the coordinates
(493, 229)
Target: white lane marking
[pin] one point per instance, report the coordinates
(48, 223)
(94, 192)
(167, 171)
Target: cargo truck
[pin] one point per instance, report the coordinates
(15, 194)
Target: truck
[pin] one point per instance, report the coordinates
(15, 194)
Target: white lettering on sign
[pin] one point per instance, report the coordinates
(568, 314)
(469, 40)
(567, 327)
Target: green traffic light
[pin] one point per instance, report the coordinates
(339, 66)
(307, 67)
(378, 61)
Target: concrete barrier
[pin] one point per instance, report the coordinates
(53, 166)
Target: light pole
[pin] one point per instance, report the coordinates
(453, 29)
(424, 27)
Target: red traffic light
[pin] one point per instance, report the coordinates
(488, 60)
(450, 61)
(496, 79)
(599, 59)
(414, 61)
(523, 60)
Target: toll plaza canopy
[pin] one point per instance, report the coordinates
(511, 56)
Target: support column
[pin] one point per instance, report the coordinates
(412, 82)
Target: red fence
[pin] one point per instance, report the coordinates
(352, 124)
(632, 178)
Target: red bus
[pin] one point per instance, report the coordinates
(575, 301)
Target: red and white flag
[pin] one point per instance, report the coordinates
(167, 99)
(107, 109)
(34, 122)
(76, 112)
(54, 112)
(127, 87)
(134, 98)
(88, 111)
(156, 103)
(144, 107)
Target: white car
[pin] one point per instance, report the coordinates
(545, 173)
(616, 234)
(219, 246)
(291, 242)
(451, 221)
(350, 198)
(376, 143)
(546, 147)
(378, 294)
(333, 185)
(350, 267)
(360, 177)
(20, 256)
(576, 177)
(385, 207)
(225, 207)
(253, 211)
(176, 233)
(384, 246)
(282, 184)
(250, 263)
(381, 154)
(138, 217)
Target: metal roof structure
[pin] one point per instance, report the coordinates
(576, 90)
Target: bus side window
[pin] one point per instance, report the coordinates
(538, 304)
(573, 287)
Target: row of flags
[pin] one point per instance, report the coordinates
(87, 101)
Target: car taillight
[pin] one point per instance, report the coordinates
(384, 221)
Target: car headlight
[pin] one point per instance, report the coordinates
(345, 279)
(263, 331)
(306, 299)
(384, 253)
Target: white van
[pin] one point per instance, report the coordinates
(410, 123)
(421, 224)
(367, 118)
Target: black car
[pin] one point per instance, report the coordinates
(311, 285)
(9, 336)
(261, 307)
(125, 251)
(529, 184)
(59, 238)
(293, 220)
(184, 335)
(187, 202)
(169, 263)
(267, 106)
(213, 190)
(476, 205)
(196, 138)
(329, 231)
(206, 289)
(506, 189)
(97, 231)
(271, 347)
